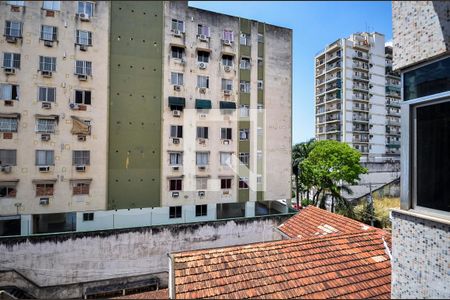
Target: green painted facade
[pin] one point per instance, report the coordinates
(260, 100)
(134, 169)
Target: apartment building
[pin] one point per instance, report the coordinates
(176, 107)
(357, 94)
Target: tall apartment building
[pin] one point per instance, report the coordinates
(176, 106)
(357, 94)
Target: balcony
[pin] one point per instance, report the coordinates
(360, 66)
(333, 66)
(393, 103)
(364, 139)
(364, 45)
(360, 77)
(334, 97)
(333, 57)
(360, 97)
(391, 122)
(331, 78)
(333, 118)
(361, 87)
(334, 45)
(332, 128)
(392, 91)
(334, 137)
(361, 108)
(360, 118)
(392, 112)
(393, 144)
(333, 108)
(359, 128)
(320, 100)
(364, 57)
(320, 82)
(333, 86)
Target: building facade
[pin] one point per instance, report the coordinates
(179, 106)
(421, 227)
(357, 94)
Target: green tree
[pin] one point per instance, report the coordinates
(300, 152)
(329, 168)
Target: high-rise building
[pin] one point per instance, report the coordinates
(356, 95)
(134, 104)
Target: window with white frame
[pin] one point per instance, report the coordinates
(244, 86)
(245, 63)
(45, 157)
(8, 124)
(259, 154)
(203, 30)
(203, 56)
(81, 157)
(47, 63)
(177, 52)
(84, 38)
(176, 131)
(176, 158)
(176, 78)
(83, 97)
(244, 39)
(259, 131)
(202, 132)
(9, 92)
(47, 94)
(225, 183)
(243, 182)
(8, 157)
(49, 33)
(201, 210)
(13, 29)
(175, 212)
(260, 84)
(177, 26)
(225, 158)
(244, 158)
(202, 158)
(51, 5)
(45, 125)
(243, 134)
(202, 183)
(203, 82)
(83, 67)
(227, 84)
(11, 60)
(225, 133)
(228, 35)
(227, 60)
(244, 111)
(259, 178)
(16, 3)
(86, 8)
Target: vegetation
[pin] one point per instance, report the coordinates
(381, 207)
(299, 153)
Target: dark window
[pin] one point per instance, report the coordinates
(433, 163)
(243, 183)
(8, 157)
(175, 184)
(83, 97)
(201, 210)
(225, 133)
(176, 131)
(225, 183)
(428, 80)
(203, 56)
(88, 217)
(174, 212)
(177, 52)
(202, 132)
(8, 192)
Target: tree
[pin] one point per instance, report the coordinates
(300, 152)
(330, 167)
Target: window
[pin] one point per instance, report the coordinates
(176, 78)
(47, 94)
(177, 26)
(245, 86)
(245, 63)
(228, 35)
(177, 52)
(244, 111)
(260, 107)
(45, 158)
(47, 63)
(86, 8)
(203, 30)
(225, 133)
(176, 158)
(81, 157)
(244, 158)
(13, 29)
(88, 217)
(243, 134)
(51, 5)
(44, 189)
(9, 92)
(203, 82)
(16, 3)
(260, 38)
(259, 154)
(227, 60)
(11, 60)
(83, 67)
(259, 178)
(8, 157)
(45, 125)
(243, 182)
(8, 124)
(81, 188)
(202, 132)
(260, 62)
(203, 56)
(227, 84)
(174, 212)
(83, 97)
(7, 191)
(260, 84)
(259, 130)
(84, 38)
(49, 33)
(225, 183)
(225, 158)
(202, 158)
(175, 184)
(202, 183)
(176, 131)
(201, 210)
(245, 39)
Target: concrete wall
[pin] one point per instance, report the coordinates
(420, 257)
(421, 31)
(100, 255)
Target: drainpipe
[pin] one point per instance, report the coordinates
(171, 284)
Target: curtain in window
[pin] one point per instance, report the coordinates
(202, 159)
(44, 157)
(228, 35)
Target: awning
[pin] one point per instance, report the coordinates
(81, 180)
(10, 115)
(9, 183)
(227, 105)
(177, 45)
(80, 127)
(177, 103)
(204, 49)
(203, 104)
(44, 181)
(50, 117)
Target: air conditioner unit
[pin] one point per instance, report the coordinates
(203, 116)
(11, 39)
(9, 103)
(227, 92)
(48, 43)
(202, 141)
(83, 48)
(226, 192)
(6, 169)
(201, 193)
(203, 90)
(44, 169)
(84, 17)
(46, 105)
(227, 68)
(226, 142)
(73, 106)
(47, 74)
(202, 37)
(227, 42)
(176, 33)
(177, 88)
(80, 168)
(44, 201)
(175, 140)
(176, 168)
(202, 168)
(81, 138)
(176, 113)
(45, 137)
(82, 77)
(202, 65)
(9, 71)
(175, 194)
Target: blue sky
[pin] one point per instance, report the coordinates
(315, 24)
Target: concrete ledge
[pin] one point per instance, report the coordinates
(423, 215)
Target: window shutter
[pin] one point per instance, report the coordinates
(206, 132)
(89, 38)
(55, 33)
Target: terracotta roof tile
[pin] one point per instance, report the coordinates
(158, 294)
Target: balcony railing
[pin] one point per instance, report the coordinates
(360, 77)
(359, 56)
(361, 128)
(361, 118)
(361, 87)
(360, 66)
(360, 97)
(359, 107)
(333, 66)
(393, 122)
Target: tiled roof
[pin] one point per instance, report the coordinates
(347, 265)
(158, 294)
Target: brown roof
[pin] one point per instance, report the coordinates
(347, 265)
(158, 294)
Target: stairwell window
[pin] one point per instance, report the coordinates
(9, 92)
(244, 158)
(244, 86)
(8, 157)
(176, 78)
(225, 158)
(11, 60)
(245, 63)
(260, 38)
(243, 183)
(49, 33)
(83, 97)
(8, 124)
(225, 183)
(203, 82)
(45, 157)
(86, 8)
(81, 157)
(176, 131)
(244, 111)
(244, 134)
(176, 158)
(47, 94)
(260, 84)
(201, 183)
(84, 38)
(83, 67)
(47, 63)
(13, 29)
(244, 39)
(45, 125)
